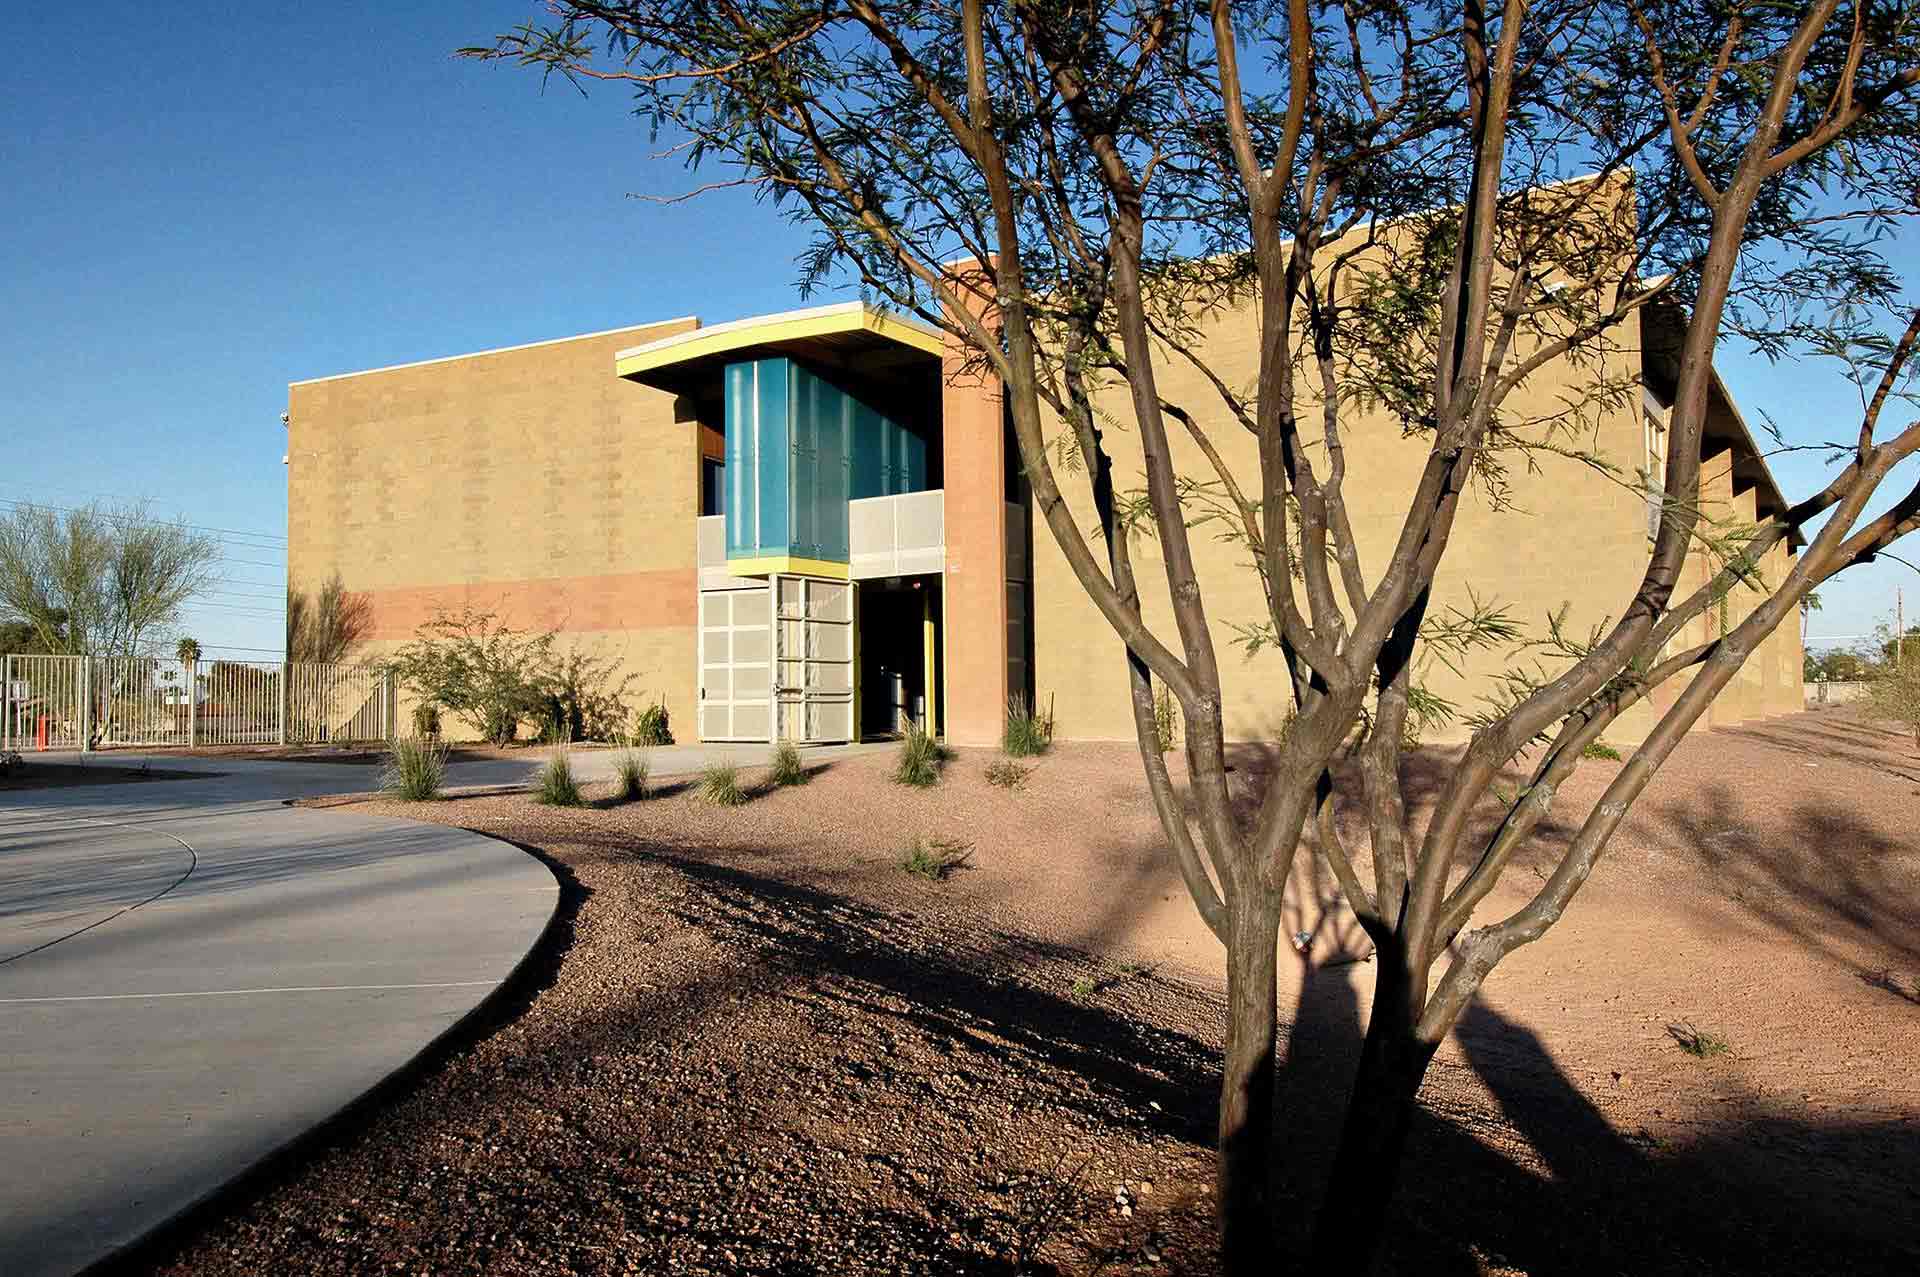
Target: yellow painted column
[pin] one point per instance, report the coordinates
(929, 677)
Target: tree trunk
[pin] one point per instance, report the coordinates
(1246, 1085)
(1350, 1230)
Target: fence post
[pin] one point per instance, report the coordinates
(282, 733)
(390, 716)
(86, 704)
(193, 704)
(6, 707)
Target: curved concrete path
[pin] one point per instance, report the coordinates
(193, 974)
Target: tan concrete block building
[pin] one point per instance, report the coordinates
(813, 525)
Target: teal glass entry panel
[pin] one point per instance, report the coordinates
(888, 458)
(798, 449)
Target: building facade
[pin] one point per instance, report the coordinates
(813, 526)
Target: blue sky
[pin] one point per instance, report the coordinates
(200, 213)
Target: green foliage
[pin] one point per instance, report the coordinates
(1836, 666)
(1166, 720)
(326, 627)
(720, 785)
(651, 727)
(1893, 695)
(1027, 732)
(787, 767)
(474, 665)
(187, 650)
(556, 785)
(99, 579)
(935, 859)
(416, 769)
(579, 698)
(1007, 774)
(495, 677)
(630, 773)
(1599, 749)
(920, 759)
(1697, 1042)
(426, 719)
(23, 639)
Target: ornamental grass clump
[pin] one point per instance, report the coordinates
(920, 759)
(416, 769)
(557, 786)
(630, 772)
(1027, 733)
(787, 767)
(720, 785)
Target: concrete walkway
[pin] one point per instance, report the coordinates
(193, 974)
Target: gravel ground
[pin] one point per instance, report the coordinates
(756, 1045)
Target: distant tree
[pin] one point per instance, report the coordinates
(24, 638)
(1836, 666)
(187, 650)
(98, 579)
(328, 626)
(1894, 695)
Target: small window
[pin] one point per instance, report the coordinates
(713, 486)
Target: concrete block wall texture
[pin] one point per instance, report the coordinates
(1569, 542)
(530, 481)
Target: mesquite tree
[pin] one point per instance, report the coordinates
(1415, 209)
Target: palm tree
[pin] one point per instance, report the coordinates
(187, 650)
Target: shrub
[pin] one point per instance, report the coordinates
(477, 667)
(787, 767)
(1893, 695)
(1007, 774)
(1601, 750)
(1697, 1042)
(920, 759)
(557, 786)
(576, 697)
(1027, 732)
(426, 719)
(720, 785)
(1166, 720)
(651, 728)
(630, 771)
(499, 724)
(935, 859)
(416, 769)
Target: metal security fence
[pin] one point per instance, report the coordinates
(103, 702)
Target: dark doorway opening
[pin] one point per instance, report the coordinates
(899, 655)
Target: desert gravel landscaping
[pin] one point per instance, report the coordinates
(754, 1044)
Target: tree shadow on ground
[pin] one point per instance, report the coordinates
(1764, 1191)
(1821, 876)
(807, 1044)
(1836, 736)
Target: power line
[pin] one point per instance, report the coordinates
(222, 534)
(32, 490)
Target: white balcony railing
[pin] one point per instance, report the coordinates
(897, 536)
(887, 536)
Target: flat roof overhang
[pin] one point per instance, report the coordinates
(852, 336)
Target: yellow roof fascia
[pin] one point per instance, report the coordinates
(827, 321)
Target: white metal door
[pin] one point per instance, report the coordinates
(813, 659)
(736, 665)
